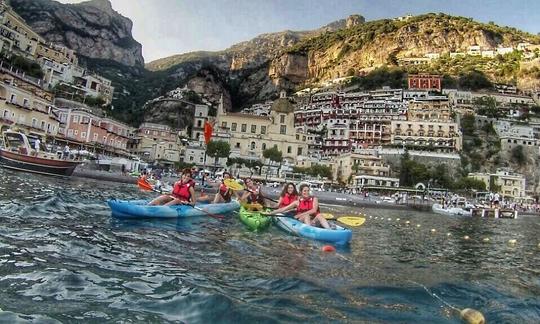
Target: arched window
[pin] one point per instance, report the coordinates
(264, 146)
(252, 145)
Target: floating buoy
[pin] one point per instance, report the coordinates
(328, 248)
(472, 316)
(512, 241)
(466, 237)
(448, 234)
(433, 230)
(418, 225)
(486, 239)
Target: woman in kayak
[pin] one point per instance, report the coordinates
(183, 192)
(307, 209)
(288, 195)
(224, 194)
(253, 194)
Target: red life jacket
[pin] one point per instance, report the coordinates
(306, 204)
(181, 190)
(255, 197)
(225, 192)
(287, 199)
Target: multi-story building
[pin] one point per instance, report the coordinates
(429, 110)
(250, 135)
(82, 126)
(425, 82)
(510, 185)
(200, 116)
(95, 86)
(57, 53)
(426, 135)
(15, 35)
(26, 105)
(156, 143)
(362, 162)
(196, 154)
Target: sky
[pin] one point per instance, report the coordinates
(168, 27)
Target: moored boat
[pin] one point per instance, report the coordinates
(439, 209)
(140, 209)
(338, 236)
(16, 153)
(254, 220)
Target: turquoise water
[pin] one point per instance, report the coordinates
(64, 259)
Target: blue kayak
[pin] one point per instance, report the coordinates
(339, 235)
(140, 209)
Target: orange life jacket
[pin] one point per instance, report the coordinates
(181, 190)
(306, 204)
(287, 199)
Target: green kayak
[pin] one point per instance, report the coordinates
(254, 220)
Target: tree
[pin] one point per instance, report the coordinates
(218, 149)
(518, 155)
(274, 155)
(467, 124)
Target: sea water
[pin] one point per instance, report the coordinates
(63, 258)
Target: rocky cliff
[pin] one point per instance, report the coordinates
(91, 28)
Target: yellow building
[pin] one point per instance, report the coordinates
(508, 184)
(250, 135)
(354, 164)
(426, 135)
(26, 106)
(429, 110)
(16, 35)
(57, 53)
(156, 143)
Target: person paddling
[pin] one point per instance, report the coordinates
(183, 192)
(253, 194)
(307, 209)
(288, 195)
(224, 194)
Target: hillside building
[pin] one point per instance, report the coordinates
(425, 82)
(15, 35)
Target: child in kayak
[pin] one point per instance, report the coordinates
(183, 192)
(288, 195)
(307, 209)
(224, 194)
(253, 194)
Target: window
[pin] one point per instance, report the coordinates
(77, 133)
(70, 132)
(199, 123)
(237, 145)
(224, 124)
(289, 149)
(83, 134)
(264, 146)
(75, 119)
(42, 125)
(13, 98)
(263, 129)
(25, 102)
(147, 132)
(233, 127)
(297, 137)
(191, 158)
(96, 137)
(252, 145)
(299, 151)
(282, 119)
(283, 129)
(244, 128)
(253, 129)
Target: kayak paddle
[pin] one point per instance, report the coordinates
(233, 185)
(352, 220)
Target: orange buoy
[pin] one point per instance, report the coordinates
(328, 248)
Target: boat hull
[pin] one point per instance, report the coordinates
(453, 211)
(34, 164)
(140, 209)
(338, 236)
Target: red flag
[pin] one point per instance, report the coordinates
(208, 128)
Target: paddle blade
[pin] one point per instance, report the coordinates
(327, 215)
(233, 185)
(253, 207)
(144, 185)
(352, 220)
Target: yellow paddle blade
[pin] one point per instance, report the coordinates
(352, 220)
(253, 207)
(233, 185)
(327, 215)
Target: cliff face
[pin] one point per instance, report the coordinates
(91, 28)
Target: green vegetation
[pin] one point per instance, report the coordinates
(274, 155)
(467, 124)
(218, 149)
(251, 164)
(385, 76)
(316, 170)
(412, 172)
(22, 64)
(518, 155)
